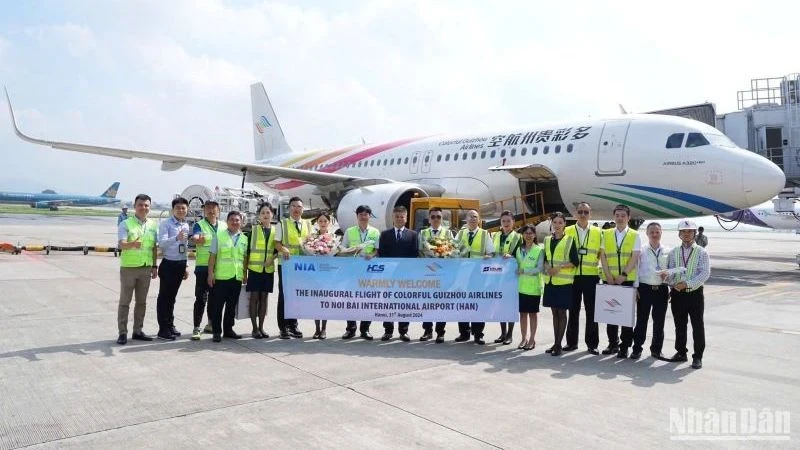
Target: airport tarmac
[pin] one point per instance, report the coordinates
(66, 384)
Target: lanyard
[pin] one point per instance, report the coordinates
(363, 235)
(656, 255)
(685, 258)
(619, 250)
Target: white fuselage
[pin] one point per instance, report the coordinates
(605, 162)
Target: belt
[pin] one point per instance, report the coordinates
(653, 287)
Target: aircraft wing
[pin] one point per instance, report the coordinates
(253, 172)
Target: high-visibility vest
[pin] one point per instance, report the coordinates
(559, 256)
(478, 247)
(509, 245)
(618, 257)
(691, 266)
(262, 253)
(230, 258)
(591, 243)
(146, 233)
(529, 284)
(426, 234)
(201, 259)
(291, 238)
(372, 236)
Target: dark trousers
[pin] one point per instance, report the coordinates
(689, 306)
(464, 328)
(614, 335)
(402, 327)
(283, 324)
(170, 275)
(428, 327)
(201, 293)
(651, 297)
(224, 295)
(362, 328)
(584, 287)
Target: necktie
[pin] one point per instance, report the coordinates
(297, 225)
(471, 237)
(435, 232)
(399, 234)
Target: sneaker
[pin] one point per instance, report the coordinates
(208, 329)
(196, 333)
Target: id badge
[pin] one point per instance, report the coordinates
(181, 248)
(583, 251)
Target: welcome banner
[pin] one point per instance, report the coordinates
(401, 289)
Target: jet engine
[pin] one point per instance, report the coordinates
(381, 198)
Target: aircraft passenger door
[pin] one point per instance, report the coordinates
(413, 163)
(426, 161)
(611, 149)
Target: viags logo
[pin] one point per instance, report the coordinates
(304, 267)
(492, 269)
(375, 268)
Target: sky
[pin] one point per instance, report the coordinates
(174, 76)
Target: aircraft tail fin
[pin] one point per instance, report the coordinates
(111, 192)
(268, 138)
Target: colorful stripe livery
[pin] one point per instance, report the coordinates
(656, 206)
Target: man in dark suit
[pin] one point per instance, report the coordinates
(398, 242)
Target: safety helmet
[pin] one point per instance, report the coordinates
(687, 225)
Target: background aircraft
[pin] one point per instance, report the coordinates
(764, 215)
(660, 166)
(52, 200)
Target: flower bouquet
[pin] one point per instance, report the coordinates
(439, 247)
(320, 245)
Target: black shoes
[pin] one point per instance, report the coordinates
(122, 339)
(550, 350)
(623, 353)
(657, 355)
(679, 357)
(284, 335)
(366, 336)
(570, 348)
(479, 340)
(440, 339)
(501, 339)
(556, 351)
(697, 363)
(140, 336)
(508, 340)
(166, 335)
(636, 354)
(610, 350)
(462, 338)
(295, 333)
(349, 334)
(175, 332)
(427, 336)
(404, 337)
(217, 338)
(386, 337)
(231, 335)
(593, 351)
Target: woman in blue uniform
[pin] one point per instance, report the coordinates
(560, 260)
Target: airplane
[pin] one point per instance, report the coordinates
(764, 215)
(660, 166)
(50, 199)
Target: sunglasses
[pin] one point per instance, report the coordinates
(583, 213)
(436, 217)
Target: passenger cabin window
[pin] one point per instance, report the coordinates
(696, 140)
(675, 140)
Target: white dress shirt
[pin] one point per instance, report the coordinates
(651, 261)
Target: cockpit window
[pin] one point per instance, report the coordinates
(675, 140)
(696, 140)
(720, 140)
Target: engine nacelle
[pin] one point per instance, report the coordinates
(381, 198)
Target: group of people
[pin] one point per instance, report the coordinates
(561, 274)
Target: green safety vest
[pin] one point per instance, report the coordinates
(354, 237)
(508, 246)
(201, 259)
(262, 254)
(618, 257)
(529, 284)
(230, 258)
(591, 243)
(143, 256)
(426, 234)
(560, 256)
(478, 247)
(691, 267)
(291, 238)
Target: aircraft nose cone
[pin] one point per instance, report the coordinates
(762, 179)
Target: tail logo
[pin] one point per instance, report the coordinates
(261, 124)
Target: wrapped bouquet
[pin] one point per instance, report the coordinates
(320, 245)
(438, 247)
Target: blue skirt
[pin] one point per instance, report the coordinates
(259, 282)
(557, 296)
